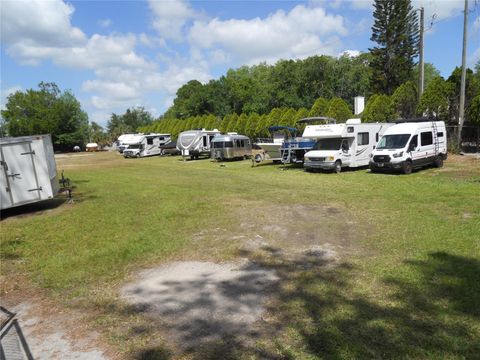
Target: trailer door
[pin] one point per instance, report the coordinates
(5, 198)
(21, 175)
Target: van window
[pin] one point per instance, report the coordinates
(149, 141)
(426, 138)
(363, 138)
(376, 137)
(414, 142)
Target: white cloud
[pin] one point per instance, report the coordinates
(170, 17)
(6, 92)
(350, 53)
(105, 23)
(473, 58)
(35, 23)
(476, 24)
(302, 32)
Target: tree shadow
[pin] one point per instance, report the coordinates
(316, 309)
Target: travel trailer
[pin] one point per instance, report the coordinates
(28, 172)
(91, 147)
(293, 150)
(196, 143)
(230, 146)
(142, 145)
(342, 145)
(410, 144)
(272, 145)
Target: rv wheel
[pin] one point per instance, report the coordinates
(162, 152)
(407, 167)
(338, 166)
(439, 161)
(138, 155)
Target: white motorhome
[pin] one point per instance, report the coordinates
(196, 143)
(28, 172)
(342, 145)
(411, 144)
(121, 141)
(141, 145)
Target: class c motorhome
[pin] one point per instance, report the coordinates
(196, 143)
(141, 145)
(342, 145)
(230, 146)
(28, 172)
(410, 144)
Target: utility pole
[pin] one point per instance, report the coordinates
(421, 78)
(461, 113)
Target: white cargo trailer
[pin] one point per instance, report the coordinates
(28, 172)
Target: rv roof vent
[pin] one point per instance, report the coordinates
(354, 121)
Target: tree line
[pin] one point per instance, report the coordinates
(251, 98)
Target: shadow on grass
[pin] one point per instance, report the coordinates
(31, 209)
(316, 310)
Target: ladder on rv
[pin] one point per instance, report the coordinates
(287, 154)
(436, 145)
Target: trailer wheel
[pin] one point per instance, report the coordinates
(338, 166)
(438, 161)
(407, 167)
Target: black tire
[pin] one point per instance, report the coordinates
(138, 155)
(373, 169)
(308, 170)
(438, 161)
(162, 152)
(407, 167)
(338, 167)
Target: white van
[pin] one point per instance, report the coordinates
(409, 145)
(342, 145)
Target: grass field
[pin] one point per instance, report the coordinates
(406, 283)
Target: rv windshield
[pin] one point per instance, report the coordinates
(393, 141)
(328, 144)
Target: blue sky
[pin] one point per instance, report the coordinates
(118, 54)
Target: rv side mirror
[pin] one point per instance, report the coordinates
(411, 147)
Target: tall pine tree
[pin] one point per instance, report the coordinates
(395, 30)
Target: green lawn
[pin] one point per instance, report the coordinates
(407, 284)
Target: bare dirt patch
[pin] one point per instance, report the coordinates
(291, 229)
(51, 331)
(201, 302)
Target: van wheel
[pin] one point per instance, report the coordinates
(438, 161)
(373, 169)
(338, 166)
(407, 167)
(138, 155)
